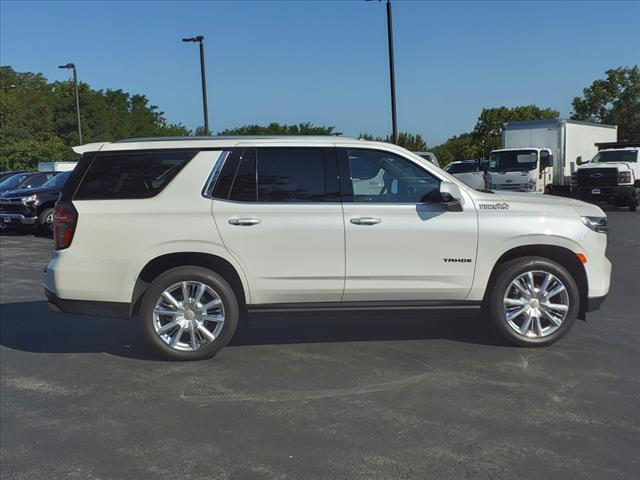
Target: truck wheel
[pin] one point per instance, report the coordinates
(533, 301)
(189, 313)
(633, 202)
(45, 221)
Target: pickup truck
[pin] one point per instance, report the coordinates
(612, 176)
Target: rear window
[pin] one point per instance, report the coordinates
(462, 167)
(130, 175)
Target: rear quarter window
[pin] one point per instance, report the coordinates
(130, 175)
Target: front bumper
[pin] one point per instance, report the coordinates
(17, 219)
(616, 194)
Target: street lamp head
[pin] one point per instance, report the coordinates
(68, 65)
(197, 38)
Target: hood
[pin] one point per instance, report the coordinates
(548, 204)
(25, 192)
(615, 165)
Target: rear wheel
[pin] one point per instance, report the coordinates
(534, 301)
(189, 313)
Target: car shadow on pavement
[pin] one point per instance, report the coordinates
(33, 327)
(391, 325)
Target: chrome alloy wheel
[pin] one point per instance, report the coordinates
(49, 221)
(535, 304)
(188, 315)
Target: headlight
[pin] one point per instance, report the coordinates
(574, 179)
(624, 177)
(29, 199)
(597, 224)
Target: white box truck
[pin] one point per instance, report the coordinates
(541, 155)
(56, 166)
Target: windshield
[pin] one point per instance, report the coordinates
(57, 181)
(462, 167)
(513, 161)
(616, 156)
(13, 181)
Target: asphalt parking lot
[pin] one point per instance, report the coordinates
(384, 396)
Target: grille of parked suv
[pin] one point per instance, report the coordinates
(11, 207)
(597, 177)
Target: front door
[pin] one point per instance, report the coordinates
(279, 215)
(402, 244)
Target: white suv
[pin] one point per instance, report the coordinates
(188, 234)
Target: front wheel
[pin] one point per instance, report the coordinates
(189, 313)
(45, 221)
(533, 302)
(633, 202)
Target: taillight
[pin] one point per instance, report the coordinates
(64, 224)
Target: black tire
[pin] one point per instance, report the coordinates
(633, 202)
(189, 273)
(45, 221)
(502, 279)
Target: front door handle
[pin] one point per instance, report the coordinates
(365, 220)
(244, 221)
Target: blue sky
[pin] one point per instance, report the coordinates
(326, 61)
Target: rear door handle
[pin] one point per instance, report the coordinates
(244, 221)
(365, 220)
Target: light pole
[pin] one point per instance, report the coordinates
(72, 66)
(200, 40)
(392, 75)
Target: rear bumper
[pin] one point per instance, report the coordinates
(594, 303)
(85, 307)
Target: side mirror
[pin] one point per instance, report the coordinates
(579, 160)
(546, 160)
(450, 196)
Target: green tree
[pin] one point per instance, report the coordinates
(38, 119)
(410, 141)
(25, 154)
(278, 129)
(488, 129)
(614, 100)
(458, 147)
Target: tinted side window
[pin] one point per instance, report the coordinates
(244, 185)
(381, 177)
(227, 175)
(292, 175)
(120, 175)
(35, 181)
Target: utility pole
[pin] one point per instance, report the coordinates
(200, 40)
(72, 66)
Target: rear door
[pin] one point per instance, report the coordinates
(402, 244)
(279, 215)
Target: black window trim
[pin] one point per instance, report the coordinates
(210, 185)
(346, 187)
